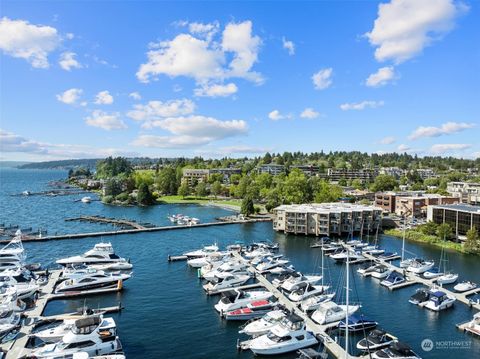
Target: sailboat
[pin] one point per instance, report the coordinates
(447, 277)
(374, 250)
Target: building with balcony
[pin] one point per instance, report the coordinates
(326, 219)
(192, 176)
(271, 168)
(416, 206)
(393, 171)
(461, 217)
(386, 201)
(467, 192)
(309, 170)
(364, 175)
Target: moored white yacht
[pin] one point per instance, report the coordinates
(252, 310)
(312, 303)
(440, 301)
(56, 333)
(205, 251)
(101, 253)
(473, 326)
(381, 271)
(9, 319)
(433, 273)
(234, 299)
(92, 281)
(12, 255)
(232, 267)
(448, 278)
(392, 279)
(25, 286)
(198, 262)
(375, 340)
(84, 336)
(286, 337)
(465, 286)
(295, 279)
(329, 312)
(420, 266)
(228, 281)
(263, 325)
(305, 290)
(271, 262)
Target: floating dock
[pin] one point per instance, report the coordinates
(141, 230)
(106, 220)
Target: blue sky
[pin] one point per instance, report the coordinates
(158, 78)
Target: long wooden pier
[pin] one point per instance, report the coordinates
(105, 220)
(133, 231)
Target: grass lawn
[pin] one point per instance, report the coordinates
(417, 236)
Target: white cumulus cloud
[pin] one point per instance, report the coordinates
(309, 113)
(440, 149)
(68, 61)
(216, 90)
(361, 105)
(403, 148)
(382, 77)
(404, 28)
(203, 59)
(445, 129)
(155, 110)
(70, 97)
(289, 46)
(106, 121)
(322, 79)
(20, 39)
(387, 140)
(104, 98)
(135, 95)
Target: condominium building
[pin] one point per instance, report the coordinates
(416, 206)
(309, 170)
(392, 171)
(425, 173)
(386, 201)
(326, 219)
(465, 191)
(364, 175)
(461, 217)
(191, 176)
(271, 168)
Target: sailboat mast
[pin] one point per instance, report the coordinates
(322, 263)
(347, 300)
(403, 241)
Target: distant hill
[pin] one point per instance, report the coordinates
(12, 164)
(62, 164)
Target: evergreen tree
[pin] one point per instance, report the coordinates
(144, 196)
(183, 190)
(472, 244)
(247, 207)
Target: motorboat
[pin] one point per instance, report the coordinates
(329, 312)
(357, 323)
(361, 245)
(225, 268)
(342, 256)
(234, 299)
(366, 268)
(288, 336)
(388, 256)
(422, 295)
(381, 271)
(55, 333)
(440, 301)
(282, 270)
(305, 290)
(395, 350)
(405, 263)
(313, 302)
(84, 336)
(331, 247)
(12, 255)
(198, 262)
(270, 263)
(84, 355)
(354, 242)
(295, 279)
(375, 252)
(448, 278)
(432, 273)
(92, 281)
(473, 326)
(228, 281)
(376, 339)
(101, 253)
(113, 266)
(392, 279)
(78, 271)
(465, 286)
(205, 251)
(86, 199)
(24, 286)
(9, 319)
(9, 297)
(252, 253)
(264, 324)
(420, 266)
(253, 310)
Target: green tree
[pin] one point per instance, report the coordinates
(201, 189)
(444, 231)
(144, 196)
(357, 184)
(216, 188)
(472, 243)
(326, 192)
(295, 188)
(247, 207)
(167, 180)
(429, 228)
(112, 187)
(183, 190)
(384, 183)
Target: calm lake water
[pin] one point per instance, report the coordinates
(168, 315)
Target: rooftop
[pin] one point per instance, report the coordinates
(326, 207)
(459, 207)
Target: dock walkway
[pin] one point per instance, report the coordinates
(113, 221)
(141, 230)
(318, 330)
